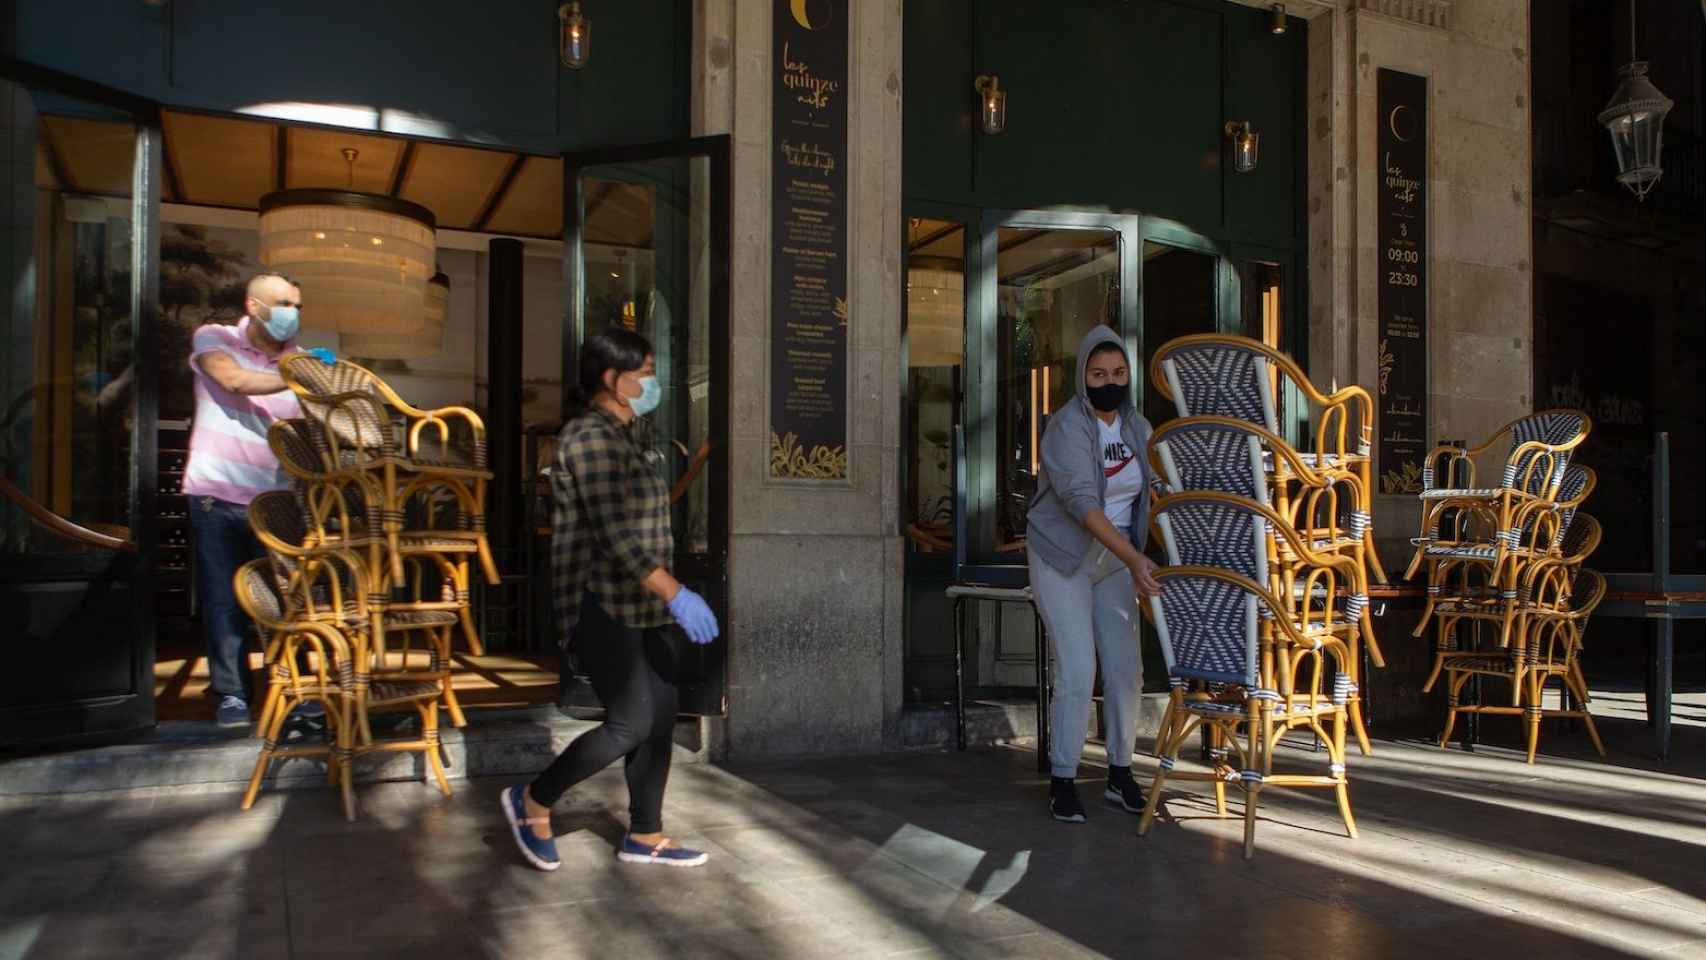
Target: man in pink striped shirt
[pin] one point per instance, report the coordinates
(238, 394)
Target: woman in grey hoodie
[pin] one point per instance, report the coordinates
(1084, 535)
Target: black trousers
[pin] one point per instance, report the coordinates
(632, 671)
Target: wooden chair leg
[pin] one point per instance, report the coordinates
(1217, 747)
(1342, 790)
(465, 612)
(1454, 686)
(1354, 707)
(268, 746)
(1256, 724)
(1531, 713)
(276, 679)
(429, 729)
(1172, 736)
(343, 757)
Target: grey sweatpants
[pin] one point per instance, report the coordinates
(1087, 622)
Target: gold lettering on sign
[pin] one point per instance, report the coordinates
(812, 91)
(1403, 188)
(808, 156)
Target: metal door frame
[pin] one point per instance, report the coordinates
(708, 695)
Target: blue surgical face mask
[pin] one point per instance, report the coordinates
(282, 323)
(651, 394)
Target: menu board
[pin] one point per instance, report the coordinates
(1403, 304)
(808, 237)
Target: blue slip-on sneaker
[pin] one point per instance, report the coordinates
(232, 712)
(540, 853)
(311, 710)
(666, 853)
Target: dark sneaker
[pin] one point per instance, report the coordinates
(1063, 800)
(1123, 791)
(232, 712)
(540, 853)
(665, 853)
(311, 710)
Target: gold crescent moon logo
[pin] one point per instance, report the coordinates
(1392, 123)
(803, 16)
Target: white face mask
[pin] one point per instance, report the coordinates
(651, 394)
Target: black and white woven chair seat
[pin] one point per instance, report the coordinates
(1478, 551)
(1465, 493)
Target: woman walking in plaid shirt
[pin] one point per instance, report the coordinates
(610, 540)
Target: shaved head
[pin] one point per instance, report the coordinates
(273, 288)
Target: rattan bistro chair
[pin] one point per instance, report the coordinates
(334, 586)
(338, 506)
(410, 451)
(1229, 672)
(1219, 454)
(1549, 650)
(1488, 564)
(1220, 375)
(330, 680)
(1540, 446)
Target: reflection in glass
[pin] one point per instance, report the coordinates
(1052, 286)
(935, 344)
(646, 252)
(66, 399)
(1178, 300)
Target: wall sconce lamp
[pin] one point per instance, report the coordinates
(1276, 19)
(994, 103)
(575, 41)
(1243, 137)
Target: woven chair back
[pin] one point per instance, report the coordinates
(1208, 629)
(1220, 379)
(357, 426)
(1553, 428)
(1229, 536)
(293, 442)
(1210, 457)
(257, 594)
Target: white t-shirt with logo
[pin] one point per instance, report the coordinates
(1124, 473)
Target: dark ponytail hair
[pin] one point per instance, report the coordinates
(615, 348)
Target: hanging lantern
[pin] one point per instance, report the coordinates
(935, 317)
(992, 104)
(407, 346)
(1244, 139)
(1635, 118)
(361, 259)
(575, 40)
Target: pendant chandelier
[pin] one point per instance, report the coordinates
(406, 346)
(361, 259)
(935, 314)
(1635, 118)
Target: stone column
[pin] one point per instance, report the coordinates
(815, 574)
(1480, 282)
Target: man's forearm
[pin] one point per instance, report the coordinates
(1111, 537)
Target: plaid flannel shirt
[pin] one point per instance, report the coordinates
(610, 521)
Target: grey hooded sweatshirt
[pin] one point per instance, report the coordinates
(1071, 483)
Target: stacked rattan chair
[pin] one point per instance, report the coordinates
(408, 459)
(1264, 602)
(339, 505)
(1324, 493)
(1531, 588)
(1499, 531)
(323, 594)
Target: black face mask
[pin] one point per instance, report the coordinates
(1107, 397)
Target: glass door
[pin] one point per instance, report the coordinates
(647, 248)
(77, 412)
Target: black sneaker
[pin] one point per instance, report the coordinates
(1123, 791)
(1063, 800)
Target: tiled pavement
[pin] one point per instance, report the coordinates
(917, 855)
